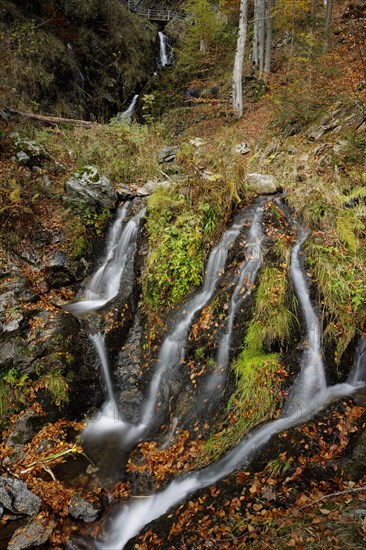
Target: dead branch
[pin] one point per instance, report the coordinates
(53, 121)
(324, 497)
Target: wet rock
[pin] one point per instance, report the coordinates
(57, 273)
(16, 497)
(125, 192)
(11, 314)
(262, 184)
(167, 154)
(33, 534)
(80, 508)
(23, 430)
(89, 188)
(355, 466)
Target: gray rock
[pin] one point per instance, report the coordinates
(16, 497)
(167, 154)
(151, 186)
(27, 151)
(346, 116)
(125, 192)
(242, 148)
(89, 188)
(11, 314)
(80, 508)
(33, 534)
(57, 273)
(22, 432)
(262, 184)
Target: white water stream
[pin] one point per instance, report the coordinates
(165, 51)
(173, 348)
(247, 274)
(310, 394)
(126, 116)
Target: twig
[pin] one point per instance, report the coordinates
(324, 497)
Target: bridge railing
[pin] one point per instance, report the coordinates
(152, 14)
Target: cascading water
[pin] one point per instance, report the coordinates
(134, 516)
(103, 287)
(126, 116)
(173, 348)
(247, 275)
(105, 283)
(165, 51)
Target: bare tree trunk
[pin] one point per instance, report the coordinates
(269, 25)
(312, 9)
(262, 15)
(256, 34)
(239, 60)
(328, 19)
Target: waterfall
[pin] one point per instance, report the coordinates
(247, 274)
(314, 395)
(80, 80)
(165, 51)
(173, 348)
(105, 283)
(103, 287)
(312, 376)
(126, 116)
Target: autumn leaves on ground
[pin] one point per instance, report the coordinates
(307, 489)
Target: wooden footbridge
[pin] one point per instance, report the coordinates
(152, 14)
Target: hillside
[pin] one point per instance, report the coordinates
(182, 292)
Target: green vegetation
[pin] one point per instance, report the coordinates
(176, 260)
(124, 153)
(259, 372)
(342, 282)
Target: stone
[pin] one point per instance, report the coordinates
(151, 186)
(125, 192)
(33, 534)
(197, 142)
(16, 497)
(339, 120)
(242, 148)
(27, 151)
(263, 184)
(88, 188)
(57, 273)
(80, 508)
(167, 154)
(23, 430)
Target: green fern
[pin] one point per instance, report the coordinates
(348, 224)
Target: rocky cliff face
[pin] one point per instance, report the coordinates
(74, 58)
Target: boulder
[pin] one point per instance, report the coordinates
(57, 273)
(167, 154)
(88, 188)
(82, 509)
(263, 184)
(33, 534)
(27, 151)
(125, 192)
(16, 497)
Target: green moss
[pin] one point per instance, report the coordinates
(258, 372)
(176, 261)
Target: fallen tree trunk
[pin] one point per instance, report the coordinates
(53, 121)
